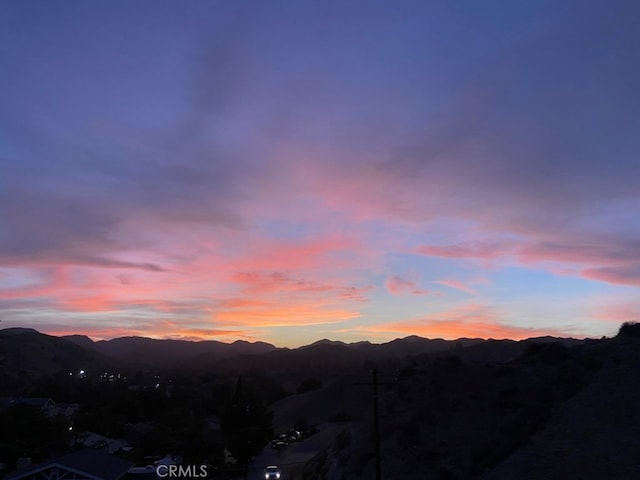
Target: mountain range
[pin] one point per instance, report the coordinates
(27, 353)
(542, 407)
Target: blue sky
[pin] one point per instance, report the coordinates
(288, 171)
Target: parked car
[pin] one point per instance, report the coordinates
(278, 444)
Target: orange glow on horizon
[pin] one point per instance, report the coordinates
(454, 329)
(194, 334)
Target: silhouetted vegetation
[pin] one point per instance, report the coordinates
(442, 415)
(26, 432)
(548, 353)
(629, 329)
(340, 417)
(246, 423)
(448, 417)
(309, 385)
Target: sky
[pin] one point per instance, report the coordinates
(288, 171)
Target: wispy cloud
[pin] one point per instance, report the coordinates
(457, 285)
(398, 286)
(229, 164)
(476, 250)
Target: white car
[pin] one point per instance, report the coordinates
(271, 473)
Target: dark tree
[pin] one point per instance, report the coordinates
(25, 431)
(246, 424)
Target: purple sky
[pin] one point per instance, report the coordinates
(292, 170)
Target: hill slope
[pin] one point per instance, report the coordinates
(170, 353)
(596, 434)
(450, 416)
(27, 355)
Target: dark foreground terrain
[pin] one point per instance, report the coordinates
(487, 409)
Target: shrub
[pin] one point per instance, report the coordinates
(340, 417)
(629, 329)
(308, 385)
(549, 353)
(343, 440)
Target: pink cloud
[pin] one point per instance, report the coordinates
(603, 259)
(264, 282)
(277, 298)
(619, 275)
(237, 284)
(476, 250)
(618, 312)
(400, 286)
(457, 285)
(282, 255)
(572, 251)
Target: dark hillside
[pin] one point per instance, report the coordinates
(450, 416)
(81, 340)
(28, 356)
(595, 434)
(172, 353)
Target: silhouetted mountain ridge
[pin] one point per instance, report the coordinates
(82, 340)
(27, 355)
(168, 352)
(241, 355)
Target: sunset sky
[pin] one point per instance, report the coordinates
(294, 170)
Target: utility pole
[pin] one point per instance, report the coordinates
(376, 422)
(238, 403)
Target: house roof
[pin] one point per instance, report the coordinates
(39, 402)
(93, 440)
(93, 465)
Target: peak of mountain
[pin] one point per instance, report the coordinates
(28, 355)
(134, 338)
(412, 338)
(19, 331)
(361, 343)
(81, 340)
(326, 341)
(243, 347)
(325, 348)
